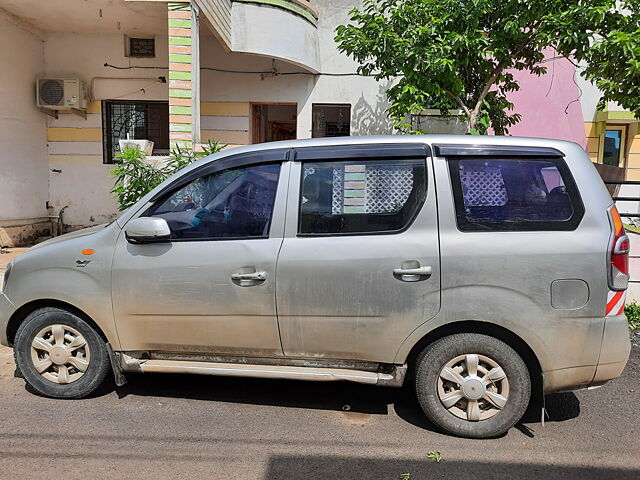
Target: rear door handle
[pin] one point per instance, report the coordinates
(413, 274)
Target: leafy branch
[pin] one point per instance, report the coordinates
(136, 176)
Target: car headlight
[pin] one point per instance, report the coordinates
(7, 271)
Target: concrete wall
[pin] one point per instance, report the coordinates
(227, 97)
(253, 28)
(23, 158)
(79, 180)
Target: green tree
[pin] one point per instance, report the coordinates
(461, 54)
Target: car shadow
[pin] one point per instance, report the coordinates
(321, 467)
(351, 398)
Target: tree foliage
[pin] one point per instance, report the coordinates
(462, 54)
(135, 176)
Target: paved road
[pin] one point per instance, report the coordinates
(189, 427)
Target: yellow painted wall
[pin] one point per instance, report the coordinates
(226, 122)
(61, 134)
(226, 109)
(593, 140)
(226, 136)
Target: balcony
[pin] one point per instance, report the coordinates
(281, 29)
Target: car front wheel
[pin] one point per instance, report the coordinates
(60, 355)
(472, 385)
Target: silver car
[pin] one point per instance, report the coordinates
(481, 268)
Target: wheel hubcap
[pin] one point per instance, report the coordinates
(473, 387)
(60, 354)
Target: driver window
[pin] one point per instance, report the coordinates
(232, 203)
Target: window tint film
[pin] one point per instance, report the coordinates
(514, 195)
(233, 203)
(349, 197)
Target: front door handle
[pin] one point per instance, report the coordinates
(413, 274)
(249, 278)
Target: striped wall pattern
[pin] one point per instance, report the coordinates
(218, 12)
(180, 75)
(71, 135)
(226, 122)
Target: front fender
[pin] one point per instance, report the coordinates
(75, 287)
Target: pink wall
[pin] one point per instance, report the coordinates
(542, 102)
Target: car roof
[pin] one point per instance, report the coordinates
(393, 139)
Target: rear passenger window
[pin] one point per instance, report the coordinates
(514, 194)
(351, 197)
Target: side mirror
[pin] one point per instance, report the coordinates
(147, 230)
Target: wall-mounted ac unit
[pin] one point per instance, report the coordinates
(61, 93)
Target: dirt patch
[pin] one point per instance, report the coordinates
(356, 418)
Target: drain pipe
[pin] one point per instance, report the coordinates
(60, 220)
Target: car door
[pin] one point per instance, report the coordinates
(211, 288)
(359, 267)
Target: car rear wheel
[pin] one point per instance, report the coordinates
(472, 385)
(60, 355)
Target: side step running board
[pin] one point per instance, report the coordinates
(265, 371)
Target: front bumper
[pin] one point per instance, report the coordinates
(6, 310)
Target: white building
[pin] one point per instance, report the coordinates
(189, 71)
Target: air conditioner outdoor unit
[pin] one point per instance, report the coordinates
(61, 93)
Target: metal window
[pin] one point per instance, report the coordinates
(142, 47)
(614, 140)
(331, 121)
(134, 120)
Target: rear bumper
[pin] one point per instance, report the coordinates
(614, 353)
(6, 310)
(615, 350)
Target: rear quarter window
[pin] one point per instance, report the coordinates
(514, 194)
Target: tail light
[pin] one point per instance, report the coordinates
(618, 253)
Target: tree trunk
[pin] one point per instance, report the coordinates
(472, 121)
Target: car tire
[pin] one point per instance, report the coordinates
(60, 355)
(472, 385)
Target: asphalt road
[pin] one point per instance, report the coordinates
(190, 427)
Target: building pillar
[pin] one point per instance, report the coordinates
(184, 74)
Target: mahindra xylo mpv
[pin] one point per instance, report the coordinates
(477, 267)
